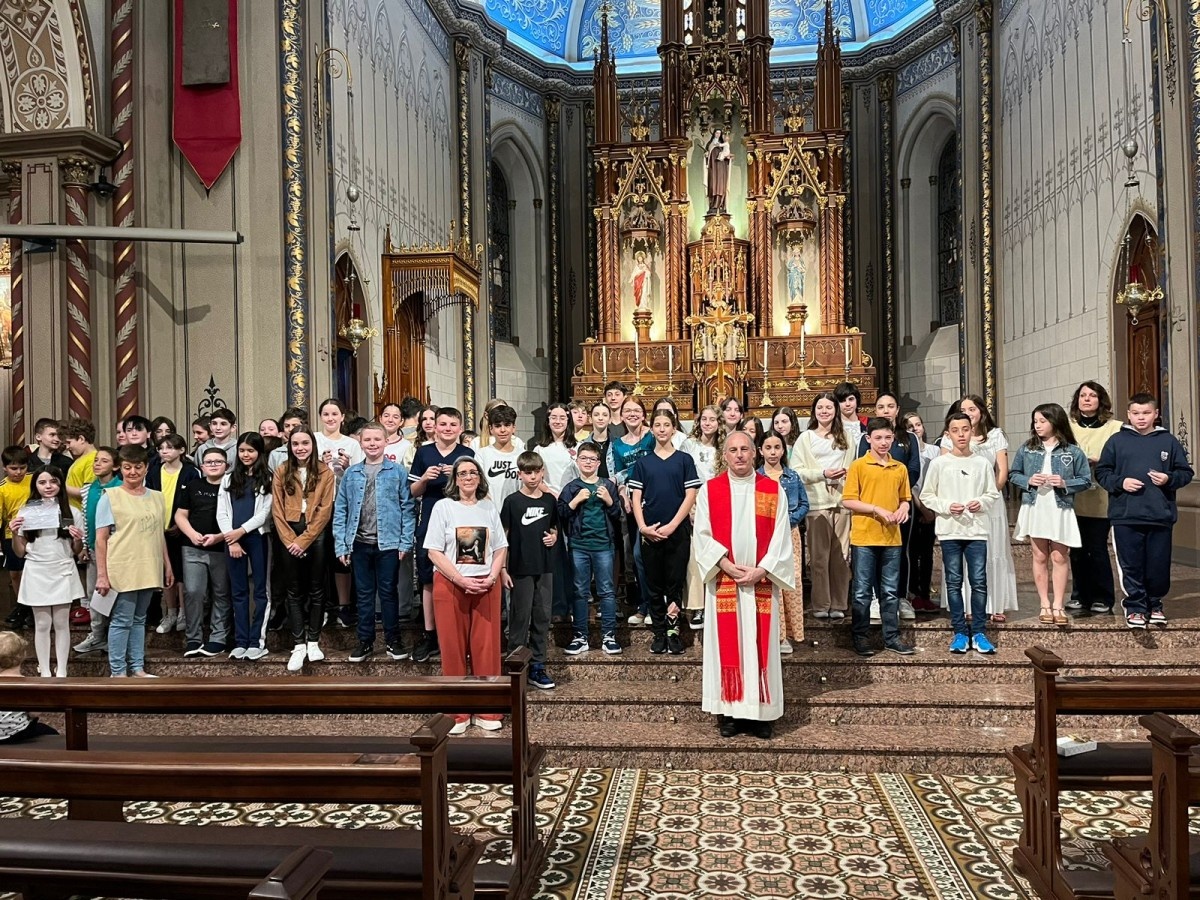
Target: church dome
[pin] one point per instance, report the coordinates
(569, 30)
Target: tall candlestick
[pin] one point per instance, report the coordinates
(637, 353)
(670, 358)
(803, 355)
(604, 362)
(766, 353)
(847, 353)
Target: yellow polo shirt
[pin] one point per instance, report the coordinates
(883, 484)
(81, 474)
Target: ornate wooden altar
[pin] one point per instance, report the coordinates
(720, 222)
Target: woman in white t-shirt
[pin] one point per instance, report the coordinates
(467, 547)
(339, 452)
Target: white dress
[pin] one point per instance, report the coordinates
(50, 577)
(1001, 574)
(1044, 518)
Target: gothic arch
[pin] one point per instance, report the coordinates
(46, 67)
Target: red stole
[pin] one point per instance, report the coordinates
(720, 503)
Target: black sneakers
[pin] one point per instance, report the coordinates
(397, 650)
(364, 651)
(427, 649)
(659, 645)
(674, 642)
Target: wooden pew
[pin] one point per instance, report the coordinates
(299, 877)
(1040, 773)
(1165, 864)
(54, 859)
(495, 760)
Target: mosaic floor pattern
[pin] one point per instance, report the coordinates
(687, 835)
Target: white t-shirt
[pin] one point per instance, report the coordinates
(345, 443)
(469, 535)
(560, 465)
(704, 455)
(500, 470)
(398, 451)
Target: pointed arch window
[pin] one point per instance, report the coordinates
(500, 263)
(949, 209)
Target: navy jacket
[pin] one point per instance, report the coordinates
(1131, 455)
(905, 450)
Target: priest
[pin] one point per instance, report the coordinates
(743, 549)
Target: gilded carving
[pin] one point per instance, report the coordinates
(986, 211)
(887, 89)
(295, 202)
(553, 111)
(462, 59)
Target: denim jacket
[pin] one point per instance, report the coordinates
(796, 495)
(1067, 461)
(394, 508)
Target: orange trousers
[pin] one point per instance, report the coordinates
(468, 627)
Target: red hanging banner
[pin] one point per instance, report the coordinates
(207, 117)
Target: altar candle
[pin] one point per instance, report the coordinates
(766, 353)
(847, 352)
(670, 358)
(637, 353)
(803, 355)
(604, 361)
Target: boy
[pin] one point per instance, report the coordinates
(106, 475)
(373, 530)
(878, 495)
(427, 478)
(46, 449)
(959, 488)
(592, 520)
(615, 394)
(531, 523)
(410, 409)
(81, 444)
(221, 424)
(14, 494)
(1142, 466)
(499, 460)
(204, 557)
(601, 435)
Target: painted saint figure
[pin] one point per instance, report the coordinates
(795, 274)
(717, 156)
(641, 274)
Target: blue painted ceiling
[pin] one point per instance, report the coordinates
(569, 30)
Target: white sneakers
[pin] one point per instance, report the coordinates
(907, 613)
(169, 619)
(256, 653)
(487, 724)
(315, 653)
(460, 727)
(785, 646)
(296, 660)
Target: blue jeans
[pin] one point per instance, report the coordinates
(375, 573)
(876, 571)
(598, 564)
(250, 631)
(561, 604)
(975, 553)
(127, 632)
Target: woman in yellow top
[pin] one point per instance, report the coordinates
(1091, 570)
(131, 559)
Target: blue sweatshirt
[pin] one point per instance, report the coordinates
(1131, 455)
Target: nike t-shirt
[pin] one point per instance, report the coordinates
(527, 519)
(500, 470)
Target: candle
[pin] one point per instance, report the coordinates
(637, 357)
(670, 358)
(604, 361)
(847, 352)
(803, 355)
(766, 353)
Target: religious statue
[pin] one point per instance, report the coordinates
(717, 156)
(641, 274)
(795, 274)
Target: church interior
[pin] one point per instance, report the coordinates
(258, 204)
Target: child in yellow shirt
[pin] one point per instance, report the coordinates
(14, 494)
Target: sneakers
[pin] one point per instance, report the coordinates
(907, 613)
(237, 653)
(299, 655)
(785, 646)
(638, 619)
(460, 727)
(253, 654)
(167, 625)
(1136, 620)
(427, 649)
(925, 605)
(315, 653)
(981, 644)
(90, 644)
(193, 648)
(486, 724)
(1099, 608)
(1158, 617)
(900, 649)
(960, 644)
(821, 614)
(213, 648)
(836, 615)
(698, 619)
(364, 651)
(180, 622)
(863, 650)
(345, 617)
(578, 645)
(674, 643)
(1073, 604)
(610, 645)
(396, 650)
(80, 616)
(659, 644)
(539, 679)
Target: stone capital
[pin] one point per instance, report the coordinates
(76, 171)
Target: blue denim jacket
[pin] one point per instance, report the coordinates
(394, 508)
(1067, 461)
(796, 494)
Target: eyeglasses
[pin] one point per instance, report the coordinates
(467, 475)
(213, 462)
(594, 459)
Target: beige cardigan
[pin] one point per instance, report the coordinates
(820, 494)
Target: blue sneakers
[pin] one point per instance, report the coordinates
(960, 644)
(539, 679)
(981, 644)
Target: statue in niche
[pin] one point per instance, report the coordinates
(796, 273)
(638, 281)
(717, 157)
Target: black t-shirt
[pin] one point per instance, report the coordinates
(199, 498)
(426, 457)
(526, 520)
(61, 460)
(603, 445)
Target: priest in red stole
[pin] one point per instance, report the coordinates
(743, 548)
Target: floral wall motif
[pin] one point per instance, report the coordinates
(45, 69)
(541, 22)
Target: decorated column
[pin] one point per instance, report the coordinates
(887, 113)
(553, 162)
(462, 61)
(14, 171)
(121, 49)
(295, 210)
(76, 179)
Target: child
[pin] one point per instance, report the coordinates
(958, 488)
(104, 467)
(1142, 467)
(80, 435)
(920, 545)
(50, 583)
(615, 395)
(204, 568)
(849, 400)
(591, 518)
(220, 426)
(173, 473)
(17, 727)
(201, 432)
(1050, 470)
(663, 488)
(773, 451)
(878, 496)
(373, 528)
(498, 457)
(244, 517)
(530, 521)
(601, 436)
(13, 494)
(338, 451)
(301, 506)
(704, 446)
(427, 479)
(46, 449)
(581, 419)
(634, 442)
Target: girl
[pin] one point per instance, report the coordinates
(104, 467)
(668, 404)
(51, 581)
(848, 401)
(269, 428)
(1091, 570)
(169, 477)
(731, 414)
(339, 452)
(773, 451)
(823, 454)
(990, 441)
(302, 505)
(557, 449)
(161, 427)
(244, 517)
(201, 434)
(920, 545)
(1050, 469)
(753, 426)
(663, 486)
(581, 421)
(484, 438)
(703, 445)
(785, 424)
(623, 452)
(426, 420)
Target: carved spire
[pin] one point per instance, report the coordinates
(831, 34)
(604, 81)
(605, 49)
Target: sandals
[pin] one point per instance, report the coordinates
(1060, 618)
(1046, 616)
(999, 618)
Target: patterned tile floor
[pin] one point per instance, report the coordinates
(687, 835)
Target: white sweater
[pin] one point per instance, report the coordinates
(954, 479)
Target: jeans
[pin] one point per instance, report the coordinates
(250, 631)
(529, 614)
(666, 574)
(127, 632)
(404, 590)
(561, 604)
(1091, 568)
(596, 564)
(205, 570)
(1143, 565)
(876, 572)
(920, 558)
(975, 554)
(375, 575)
